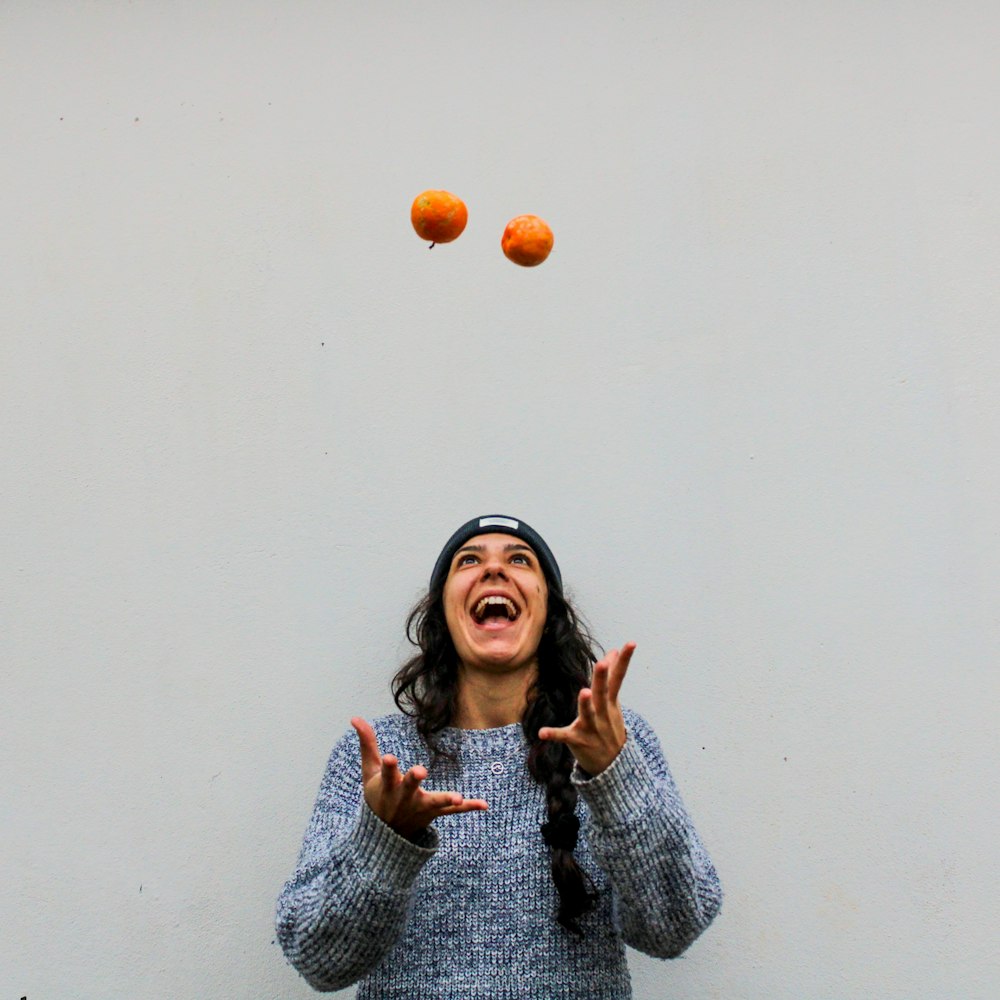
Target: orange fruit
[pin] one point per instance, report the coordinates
(527, 240)
(438, 216)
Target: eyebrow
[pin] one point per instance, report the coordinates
(512, 547)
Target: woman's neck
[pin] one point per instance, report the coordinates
(489, 700)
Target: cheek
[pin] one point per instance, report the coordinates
(452, 613)
(455, 631)
(451, 596)
(543, 603)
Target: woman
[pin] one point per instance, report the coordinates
(515, 828)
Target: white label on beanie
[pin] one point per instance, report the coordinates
(501, 522)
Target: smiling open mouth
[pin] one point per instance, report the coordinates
(495, 607)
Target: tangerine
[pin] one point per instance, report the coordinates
(438, 216)
(527, 240)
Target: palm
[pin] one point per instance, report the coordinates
(398, 799)
(597, 734)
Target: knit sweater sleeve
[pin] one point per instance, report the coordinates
(666, 890)
(343, 909)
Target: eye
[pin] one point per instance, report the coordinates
(521, 559)
(467, 560)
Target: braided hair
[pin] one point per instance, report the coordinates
(425, 688)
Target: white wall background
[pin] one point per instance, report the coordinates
(750, 400)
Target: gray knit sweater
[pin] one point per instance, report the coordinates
(468, 911)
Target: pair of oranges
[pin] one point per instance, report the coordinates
(440, 216)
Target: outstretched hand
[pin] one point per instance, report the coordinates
(397, 799)
(597, 735)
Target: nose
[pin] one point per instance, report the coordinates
(493, 566)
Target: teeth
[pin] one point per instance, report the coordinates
(481, 607)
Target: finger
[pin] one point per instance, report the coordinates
(599, 685)
(466, 805)
(416, 774)
(621, 668)
(437, 802)
(390, 772)
(412, 779)
(370, 757)
(585, 708)
(557, 734)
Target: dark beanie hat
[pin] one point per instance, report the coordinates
(506, 526)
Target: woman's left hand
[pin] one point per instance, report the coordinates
(597, 735)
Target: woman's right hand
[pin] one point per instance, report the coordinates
(397, 799)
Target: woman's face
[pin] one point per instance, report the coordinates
(495, 602)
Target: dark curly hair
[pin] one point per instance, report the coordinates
(425, 688)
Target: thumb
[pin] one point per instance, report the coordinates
(556, 734)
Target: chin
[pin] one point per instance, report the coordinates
(499, 661)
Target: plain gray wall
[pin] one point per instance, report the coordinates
(750, 400)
